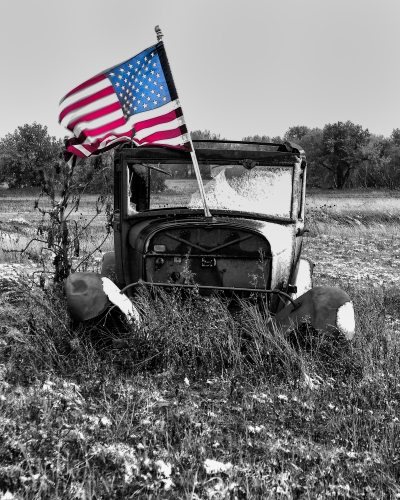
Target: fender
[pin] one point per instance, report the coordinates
(90, 294)
(326, 308)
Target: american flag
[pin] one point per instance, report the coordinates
(133, 101)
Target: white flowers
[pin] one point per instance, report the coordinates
(215, 467)
(163, 468)
(311, 383)
(7, 496)
(48, 386)
(105, 422)
(255, 429)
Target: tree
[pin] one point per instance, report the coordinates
(257, 138)
(312, 144)
(395, 137)
(296, 133)
(27, 155)
(260, 138)
(95, 171)
(207, 135)
(384, 156)
(342, 150)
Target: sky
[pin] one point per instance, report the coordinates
(240, 67)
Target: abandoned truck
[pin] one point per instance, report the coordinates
(238, 228)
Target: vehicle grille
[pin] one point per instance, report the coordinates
(214, 256)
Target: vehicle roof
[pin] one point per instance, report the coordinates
(282, 154)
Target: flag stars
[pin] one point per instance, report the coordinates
(144, 105)
(120, 77)
(140, 83)
(138, 62)
(125, 80)
(112, 74)
(137, 90)
(146, 86)
(155, 102)
(135, 108)
(161, 87)
(152, 91)
(139, 101)
(128, 73)
(159, 95)
(148, 98)
(142, 94)
(152, 71)
(158, 75)
(164, 98)
(117, 84)
(130, 66)
(122, 70)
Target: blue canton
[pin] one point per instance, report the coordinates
(140, 83)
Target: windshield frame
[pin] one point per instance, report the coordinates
(296, 162)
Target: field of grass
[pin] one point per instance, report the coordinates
(203, 404)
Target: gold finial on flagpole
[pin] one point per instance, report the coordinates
(159, 34)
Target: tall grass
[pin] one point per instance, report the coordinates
(195, 383)
(201, 379)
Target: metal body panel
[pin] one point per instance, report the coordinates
(265, 259)
(211, 156)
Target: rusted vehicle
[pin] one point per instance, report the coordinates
(246, 241)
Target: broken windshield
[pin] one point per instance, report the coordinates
(262, 190)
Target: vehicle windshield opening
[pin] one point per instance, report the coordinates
(265, 190)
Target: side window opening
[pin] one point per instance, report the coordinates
(139, 183)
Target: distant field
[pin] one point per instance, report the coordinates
(15, 204)
(348, 207)
(355, 201)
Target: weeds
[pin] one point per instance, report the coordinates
(205, 403)
(196, 387)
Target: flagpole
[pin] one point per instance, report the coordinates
(207, 212)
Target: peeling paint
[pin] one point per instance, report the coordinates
(121, 301)
(345, 321)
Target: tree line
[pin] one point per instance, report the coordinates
(339, 155)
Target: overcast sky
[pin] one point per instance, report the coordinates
(241, 67)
